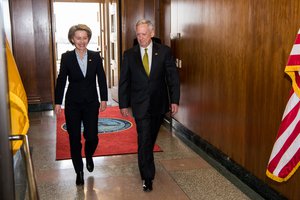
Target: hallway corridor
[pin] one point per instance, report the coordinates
(181, 172)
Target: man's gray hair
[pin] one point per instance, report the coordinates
(145, 21)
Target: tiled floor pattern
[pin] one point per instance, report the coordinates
(180, 172)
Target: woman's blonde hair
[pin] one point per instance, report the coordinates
(79, 27)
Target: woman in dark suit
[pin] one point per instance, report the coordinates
(82, 67)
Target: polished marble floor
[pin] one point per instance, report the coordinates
(181, 173)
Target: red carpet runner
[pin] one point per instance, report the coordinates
(117, 135)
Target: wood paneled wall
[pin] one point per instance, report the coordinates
(164, 17)
(233, 86)
(233, 55)
(32, 46)
(131, 12)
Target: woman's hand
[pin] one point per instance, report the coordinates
(103, 105)
(57, 109)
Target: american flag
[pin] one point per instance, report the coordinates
(285, 156)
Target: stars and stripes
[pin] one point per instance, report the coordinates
(285, 156)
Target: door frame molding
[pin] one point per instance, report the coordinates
(7, 190)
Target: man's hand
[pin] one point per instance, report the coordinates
(174, 108)
(124, 112)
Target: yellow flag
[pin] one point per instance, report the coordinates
(18, 100)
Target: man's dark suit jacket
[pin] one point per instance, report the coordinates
(153, 94)
(81, 89)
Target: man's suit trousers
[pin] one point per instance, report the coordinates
(147, 129)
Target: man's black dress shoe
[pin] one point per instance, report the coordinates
(79, 179)
(89, 164)
(147, 185)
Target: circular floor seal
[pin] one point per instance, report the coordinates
(108, 125)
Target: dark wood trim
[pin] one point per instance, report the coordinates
(40, 107)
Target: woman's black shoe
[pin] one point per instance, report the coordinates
(79, 179)
(90, 164)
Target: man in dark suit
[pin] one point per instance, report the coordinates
(149, 84)
(81, 67)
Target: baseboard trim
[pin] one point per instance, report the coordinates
(234, 168)
(40, 107)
